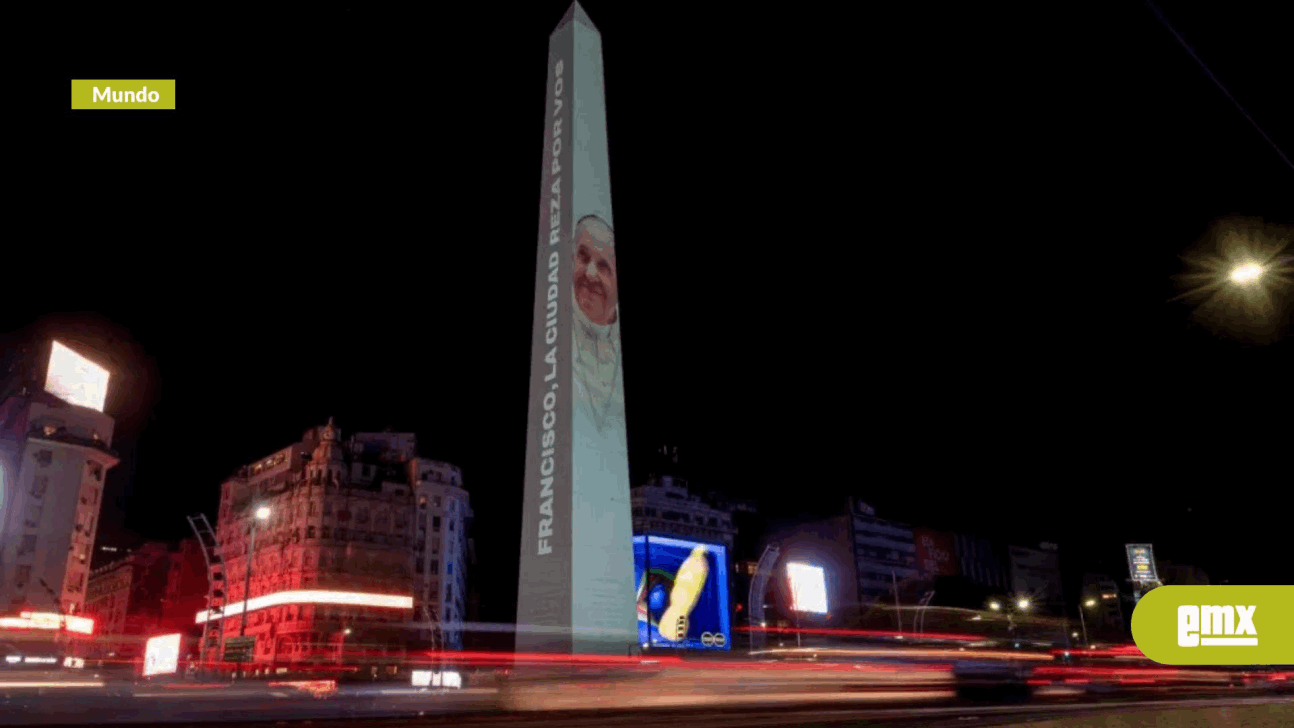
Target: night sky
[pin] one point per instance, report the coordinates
(922, 257)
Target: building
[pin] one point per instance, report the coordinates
(126, 599)
(186, 588)
(982, 562)
(363, 550)
(1035, 575)
(1104, 618)
(443, 551)
(885, 554)
(1181, 574)
(663, 506)
(55, 449)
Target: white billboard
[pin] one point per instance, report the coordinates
(162, 655)
(75, 379)
(808, 588)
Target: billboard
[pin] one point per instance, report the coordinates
(162, 655)
(935, 552)
(808, 585)
(682, 593)
(75, 379)
(1141, 562)
(576, 581)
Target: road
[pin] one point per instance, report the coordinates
(483, 707)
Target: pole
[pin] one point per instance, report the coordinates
(247, 586)
(1083, 621)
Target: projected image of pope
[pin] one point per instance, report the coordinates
(597, 368)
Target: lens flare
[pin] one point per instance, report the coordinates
(1241, 281)
(1246, 273)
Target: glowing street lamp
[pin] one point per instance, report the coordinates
(1247, 273)
(1239, 286)
(262, 514)
(1088, 603)
(995, 606)
(1023, 604)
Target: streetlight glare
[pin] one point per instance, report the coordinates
(994, 606)
(1239, 280)
(263, 513)
(1024, 603)
(1090, 602)
(1246, 273)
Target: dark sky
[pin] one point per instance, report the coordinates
(920, 256)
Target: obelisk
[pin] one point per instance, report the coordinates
(576, 590)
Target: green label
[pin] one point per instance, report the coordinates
(119, 94)
(1216, 625)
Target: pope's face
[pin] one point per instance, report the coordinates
(595, 277)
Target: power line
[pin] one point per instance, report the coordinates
(1181, 40)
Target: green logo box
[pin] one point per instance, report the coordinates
(1216, 625)
(123, 94)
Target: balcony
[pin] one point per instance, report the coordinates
(62, 436)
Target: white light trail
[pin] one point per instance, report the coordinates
(316, 596)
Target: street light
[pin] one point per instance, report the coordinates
(1087, 604)
(1023, 604)
(262, 514)
(995, 606)
(1246, 273)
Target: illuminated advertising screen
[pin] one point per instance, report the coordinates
(162, 655)
(682, 593)
(808, 585)
(75, 379)
(1141, 562)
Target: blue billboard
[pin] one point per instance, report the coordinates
(682, 593)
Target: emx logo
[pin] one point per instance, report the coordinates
(1216, 625)
(1217, 620)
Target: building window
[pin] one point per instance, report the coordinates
(310, 531)
(327, 508)
(451, 525)
(435, 523)
(22, 576)
(435, 566)
(436, 501)
(28, 545)
(449, 568)
(38, 486)
(327, 531)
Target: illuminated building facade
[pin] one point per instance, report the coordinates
(55, 449)
(885, 553)
(362, 552)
